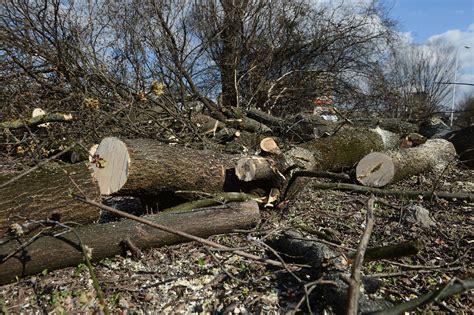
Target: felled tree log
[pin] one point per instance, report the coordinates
(264, 118)
(348, 146)
(206, 124)
(46, 194)
(463, 141)
(391, 251)
(379, 169)
(131, 167)
(107, 240)
(255, 168)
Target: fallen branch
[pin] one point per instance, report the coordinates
(413, 194)
(180, 233)
(391, 251)
(35, 121)
(219, 198)
(455, 286)
(355, 279)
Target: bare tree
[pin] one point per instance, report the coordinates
(466, 111)
(409, 84)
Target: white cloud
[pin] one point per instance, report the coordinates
(460, 39)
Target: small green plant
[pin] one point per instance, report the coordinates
(379, 268)
(80, 269)
(201, 263)
(113, 300)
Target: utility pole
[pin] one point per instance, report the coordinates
(454, 84)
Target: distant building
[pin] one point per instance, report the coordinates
(324, 100)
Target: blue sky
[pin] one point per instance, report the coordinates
(451, 20)
(425, 18)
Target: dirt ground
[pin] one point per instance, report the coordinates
(189, 278)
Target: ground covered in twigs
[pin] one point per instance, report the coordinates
(190, 278)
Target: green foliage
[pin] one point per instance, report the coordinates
(80, 269)
(201, 263)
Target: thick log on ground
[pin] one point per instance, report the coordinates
(46, 194)
(326, 265)
(274, 167)
(379, 169)
(107, 240)
(463, 141)
(348, 146)
(131, 167)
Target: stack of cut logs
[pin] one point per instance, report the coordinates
(143, 167)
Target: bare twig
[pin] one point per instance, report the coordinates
(386, 192)
(355, 279)
(455, 286)
(308, 288)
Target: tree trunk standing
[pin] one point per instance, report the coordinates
(230, 56)
(107, 240)
(142, 166)
(46, 194)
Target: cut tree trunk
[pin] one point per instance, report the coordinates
(140, 166)
(379, 169)
(107, 240)
(344, 149)
(46, 194)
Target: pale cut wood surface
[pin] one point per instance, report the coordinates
(375, 170)
(112, 172)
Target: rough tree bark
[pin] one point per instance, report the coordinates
(348, 146)
(230, 54)
(132, 167)
(46, 194)
(379, 169)
(107, 240)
